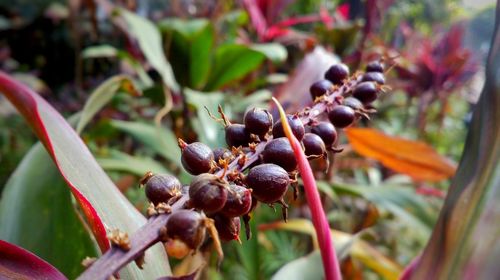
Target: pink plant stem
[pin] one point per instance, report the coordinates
(328, 255)
(408, 271)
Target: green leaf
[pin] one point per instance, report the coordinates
(464, 243)
(162, 141)
(232, 62)
(119, 161)
(273, 51)
(36, 213)
(307, 268)
(101, 96)
(99, 51)
(149, 39)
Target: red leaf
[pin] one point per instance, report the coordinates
(17, 263)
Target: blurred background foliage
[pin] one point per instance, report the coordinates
(168, 60)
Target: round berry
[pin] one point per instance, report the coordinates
(227, 228)
(258, 121)
(366, 92)
(268, 182)
(208, 192)
(374, 66)
(337, 73)
(326, 131)
(320, 88)
(237, 135)
(186, 226)
(295, 124)
(161, 188)
(279, 151)
(197, 158)
(238, 203)
(222, 153)
(352, 102)
(342, 116)
(373, 77)
(313, 145)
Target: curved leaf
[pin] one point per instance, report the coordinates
(414, 158)
(307, 268)
(28, 207)
(101, 202)
(118, 161)
(17, 263)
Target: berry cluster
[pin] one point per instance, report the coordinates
(258, 164)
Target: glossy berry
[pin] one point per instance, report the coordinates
(337, 73)
(341, 116)
(373, 77)
(258, 121)
(268, 182)
(279, 151)
(320, 88)
(186, 226)
(313, 145)
(161, 188)
(238, 203)
(227, 228)
(222, 153)
(326, 131)
(208, 192)
(197, 158)
(237, 135)
(374, 66)
(295, 124)
(354, 103)
(366, 92)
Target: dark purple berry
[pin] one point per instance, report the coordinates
(186, 226)
(313, 145)
(208, 192)
(239, 201)
(337, 73)
(237, 135)
(268, 182)
(366, 92)
(341, 116)
(320, 88)
(374, 66)
(295, 124)
(326, 131)
(354, 103)
(222, 153)
(197, 158)
(279, 151)
(227, 228)
(161, 188)
(258, 121)
(373, 77)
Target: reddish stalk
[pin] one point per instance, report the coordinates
(328, 255)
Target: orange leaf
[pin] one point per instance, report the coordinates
(413, 158)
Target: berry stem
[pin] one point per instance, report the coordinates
(328, 255)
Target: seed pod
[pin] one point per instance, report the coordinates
(374, 66)
(313, 144)
(237, 135)
(258, 121)
(366, 92)
(373, 77)
(196, 157)
(341, 116)
(161, 188)
(326, 131)
(208, 192)
(227, 228)
(268, 182)
(295, 124)
(222, 153)
(320, 88)
(337, 73)
(279, 151)
(354, 103)
(239, 201)
(186, 226)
